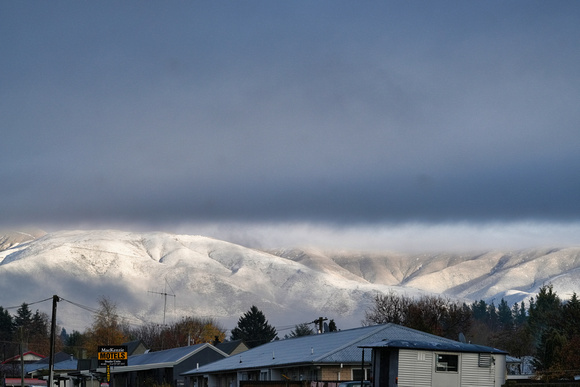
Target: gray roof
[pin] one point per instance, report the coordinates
(64, 365)
(452, 346)
(327, 348)
(133, 345)
(229, 346)
(162, 359)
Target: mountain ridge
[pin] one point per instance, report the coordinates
(212, 278)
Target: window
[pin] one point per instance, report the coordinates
(357, 373)
(447, 363)
(484, 360)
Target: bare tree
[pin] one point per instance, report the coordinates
(388, 308)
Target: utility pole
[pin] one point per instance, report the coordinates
(21, 356)
(55, 299)
(319, 321)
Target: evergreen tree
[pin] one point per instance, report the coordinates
(22, 322)
(39, 333)
(522, 318)
(253, 328)
(301, 330)
(6, 325)
(64, 336)
(23, 317)
(332, 326)
(39, 325)
(504, 315)
(571, 316)
(492, 317)
(545, 312)
(74, 344)
(551, 342)
(479, 310)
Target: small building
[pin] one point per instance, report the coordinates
(164, 366)
(62, 366)
(331, 357)
(136, 347)
(415, 363)
(13, 366)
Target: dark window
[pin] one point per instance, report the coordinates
(485, 360)
(357, 373)
(447, 363)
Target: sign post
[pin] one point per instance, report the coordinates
(112, 355)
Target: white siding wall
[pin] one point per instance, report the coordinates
(415, 368)
(474, 375)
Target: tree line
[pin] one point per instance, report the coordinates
(547, 329)
(28, 331)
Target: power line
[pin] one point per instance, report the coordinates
(95, 311)
(136, 320)
(28, 303)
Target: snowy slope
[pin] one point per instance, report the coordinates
(208, 278)
(492, 275)
(152, 275)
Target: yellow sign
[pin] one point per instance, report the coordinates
(112, 355)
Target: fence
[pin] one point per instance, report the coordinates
(539, 383)
(288, 383)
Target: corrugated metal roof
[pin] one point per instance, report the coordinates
(66, 365)
(332, 347)
(174, 355)
(70, 364)
(451, 346)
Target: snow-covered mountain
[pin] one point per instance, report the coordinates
(152, 276)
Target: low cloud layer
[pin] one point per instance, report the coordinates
(380, 115)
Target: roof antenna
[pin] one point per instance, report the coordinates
(165, 294)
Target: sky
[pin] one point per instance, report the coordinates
(383, 125)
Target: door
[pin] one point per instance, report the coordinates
(446, 370)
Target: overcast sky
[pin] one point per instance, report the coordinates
(303, 122)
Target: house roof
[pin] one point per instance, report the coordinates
(229, 346)
(58, 357)
(328, 348)
(451, 346)
(163, 359)
(62, 362)
(133, 345)
(28, 357)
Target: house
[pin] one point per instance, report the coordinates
(38, 366)
(435, 363)
(86, 374)
(12, 366)
(136, 347)
(63, 364)
(232, 347)
(328, 357)
(164, 366)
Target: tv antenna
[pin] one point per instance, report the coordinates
(165, 294)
